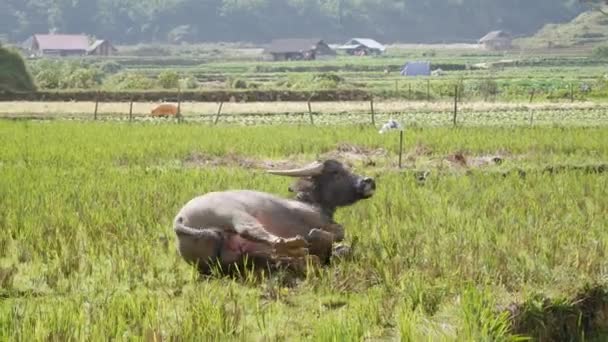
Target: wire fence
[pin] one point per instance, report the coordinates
(360, 113)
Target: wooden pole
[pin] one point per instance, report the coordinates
(131, 111)
(428, 90)
(409, 93)
(179, 105)
(219, 112)
(396, 86)
(96, 106)
(571, 92)
(371, 105)
(455, 104)
(312, 122)
(532, 94)
(400, 147)
(531, 117)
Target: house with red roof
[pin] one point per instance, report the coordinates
(66, 45)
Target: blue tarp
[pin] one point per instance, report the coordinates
(416, 69)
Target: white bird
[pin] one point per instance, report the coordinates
(390, 125)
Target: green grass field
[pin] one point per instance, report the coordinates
(87, 250)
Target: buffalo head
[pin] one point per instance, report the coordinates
(329, 185)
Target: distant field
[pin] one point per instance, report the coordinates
(329, 113)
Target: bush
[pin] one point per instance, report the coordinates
(168, 79)
(49, 78)
(189, 83)
(129, 81)
(600, 51)
(14, 75)
(236, 83)
(110, 67)
(82, 78)
(51, 74)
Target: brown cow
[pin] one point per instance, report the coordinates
(164, 110)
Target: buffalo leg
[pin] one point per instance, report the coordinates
(250, 228)
(336, 229)
(321, 243)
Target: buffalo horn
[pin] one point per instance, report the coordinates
(310, 170)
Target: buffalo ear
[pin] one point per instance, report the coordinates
(301, 185)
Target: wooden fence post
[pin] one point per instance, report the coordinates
(531, 117)
(400, 146)
(371, 105)
(428, 90)
(312, 122)
(571, 92)
(532, 94)
(455, 105)
(131, 111)
(96, 106)
(179, 105)
(219, 112)
(409, 93)
(396, 86)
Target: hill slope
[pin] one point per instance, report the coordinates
(589, 28)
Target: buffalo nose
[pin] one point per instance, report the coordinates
(369, 181)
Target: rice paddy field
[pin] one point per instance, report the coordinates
(449, 249)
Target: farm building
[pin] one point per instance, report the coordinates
(299, 49)
(362, 47)
(57, 45)
(496, 40)
(101, 48)
(416, 69)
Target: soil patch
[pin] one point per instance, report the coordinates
(459, 159)
(346, 153)
(350, 154)
(197, 160)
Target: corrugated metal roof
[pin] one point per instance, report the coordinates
(349, 47)
(62, 42)
(95, 45)
(367, 42)
(494, 35)
(98, 43)
(292, 45)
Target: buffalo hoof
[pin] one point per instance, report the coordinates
(342, 251)
(293, 247)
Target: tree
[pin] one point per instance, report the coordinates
(14, 75)
(598, 5)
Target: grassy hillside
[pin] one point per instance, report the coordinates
(13, 72)
(589, 28)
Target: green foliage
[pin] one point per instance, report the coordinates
(56, 74)
(585, 29)
(312, 81)
(600, 51)
(236, 83)
(129, 81)
(168, 79)
(14, 75)
(188, 83)
(110, 67)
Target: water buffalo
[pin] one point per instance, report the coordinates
(221, 228)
